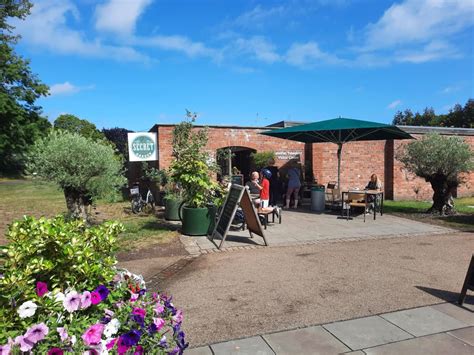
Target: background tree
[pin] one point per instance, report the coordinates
(119, 137)
(85, 169)
(20, 120)
(439, 160)
(74, 124)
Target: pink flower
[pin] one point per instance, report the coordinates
(139, 350)
(95, 297)
(134, 297)
(92, 335)
(41, 288)
(111, 343)
(159, 322)
(139, 311)
(72, 301)
(85, 299)
(24, 343)
(37, 333)
(178, 317)
(121, 348)
(6, 348)
(62, 333)
(109, 313)
(159, 308)
(55, 351)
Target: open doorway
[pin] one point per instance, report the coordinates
(235, 160)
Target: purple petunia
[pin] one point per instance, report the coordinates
(131, 338)
(72, 301)
(86, 299)
(41, 288)
(37, 332)
(55, 351)
(102, 291)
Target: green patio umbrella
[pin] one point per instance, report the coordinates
(339, 131)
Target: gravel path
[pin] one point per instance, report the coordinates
(242, 293)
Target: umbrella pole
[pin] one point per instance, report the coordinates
(339, 150)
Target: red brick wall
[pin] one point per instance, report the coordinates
(220, 137)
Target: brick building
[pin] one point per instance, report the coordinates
(359, 159)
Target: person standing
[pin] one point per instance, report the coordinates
(294, 184)
(274, 182)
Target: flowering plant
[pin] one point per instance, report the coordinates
(120, 317)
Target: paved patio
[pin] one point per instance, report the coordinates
(305, 227)
(438, 329)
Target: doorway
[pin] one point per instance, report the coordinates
(236, 160)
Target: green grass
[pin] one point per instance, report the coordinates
(35, 198)
(462, 220)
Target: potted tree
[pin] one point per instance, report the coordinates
(192, 170)
(172, 201)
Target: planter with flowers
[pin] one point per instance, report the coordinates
(61, 294)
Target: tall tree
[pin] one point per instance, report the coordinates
(119, 137)
(440, 160)
(20, 119)
(74, 124)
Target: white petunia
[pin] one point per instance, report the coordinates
(59, 297)
(27, 309)
(112, 327)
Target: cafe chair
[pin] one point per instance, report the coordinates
(356, 199)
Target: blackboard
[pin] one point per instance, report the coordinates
(468, 282)
(237, 179)
(236, 194)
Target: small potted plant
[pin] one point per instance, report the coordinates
(172, 199)
(191, 169)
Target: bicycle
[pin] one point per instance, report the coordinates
(139, 204)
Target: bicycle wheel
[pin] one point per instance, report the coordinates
(136, 207)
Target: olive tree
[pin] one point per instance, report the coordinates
(440, 160)
(85, 169)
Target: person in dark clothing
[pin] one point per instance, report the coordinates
(253, 184)
(274, 182)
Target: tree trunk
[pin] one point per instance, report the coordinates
(77, 203)
(443, 202)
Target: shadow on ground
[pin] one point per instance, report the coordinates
(446, 295)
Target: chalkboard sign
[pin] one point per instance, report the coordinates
(237, 180)
(468, 282)
(237, 193)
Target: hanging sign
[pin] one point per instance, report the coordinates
(142, 146)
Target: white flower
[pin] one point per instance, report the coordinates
(73, 340)
(27, 309)
(72, 301)
(59, 297)
(112, 327)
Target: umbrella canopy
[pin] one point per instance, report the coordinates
(339, 131)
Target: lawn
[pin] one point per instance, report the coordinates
(462, 220)
(35, 198)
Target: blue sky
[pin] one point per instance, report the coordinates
(134, 63)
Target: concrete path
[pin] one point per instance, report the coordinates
(439, 329)
(304, 227)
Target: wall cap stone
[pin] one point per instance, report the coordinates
(440, 130)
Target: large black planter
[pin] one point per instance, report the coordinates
(198, 221)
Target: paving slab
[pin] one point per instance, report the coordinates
(248, 346)
(423, 321)
(312, 340)
(459, 313)
(438, 344)
(203, 350)
(366, 332)
(466, 335)
(357, 352)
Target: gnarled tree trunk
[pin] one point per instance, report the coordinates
(443, 202)
(77, 203)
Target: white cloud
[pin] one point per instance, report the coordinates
(257, 46)
(432, 51)
(119, 16)
(47, 27)
(259, 16)
(394, 104)
(67, 88)
(450, 89)
(309, 54)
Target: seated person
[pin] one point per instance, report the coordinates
(252, 185)
(374, 184)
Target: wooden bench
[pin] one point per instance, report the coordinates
(265, 215)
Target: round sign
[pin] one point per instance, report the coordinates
(143, 147)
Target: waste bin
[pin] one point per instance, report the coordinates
(317, 199)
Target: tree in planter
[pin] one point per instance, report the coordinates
(84, 169)
(440, 161)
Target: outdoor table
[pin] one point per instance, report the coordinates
(374, 193)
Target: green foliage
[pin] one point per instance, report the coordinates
(437, 155)
(63, 254)
(261, 159)
(118, 136)
(20, 120)
(84, 169)
(149, 173)
(458, 116)
(74, 124)
(191, 168)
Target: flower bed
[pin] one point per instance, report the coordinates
(118, 315)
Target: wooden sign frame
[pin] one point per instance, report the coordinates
(237, 194)
(468, 282)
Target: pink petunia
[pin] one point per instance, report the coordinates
(37, 332)
(95, 297)
(110, 345)
(72, 301)
(139, 350)
(121, 347)
(24, 343)
(159, 308)
(55, 351)
(139, 311)
(134, 297)
(159, 322)
(62, 333)
(86, 299)
(92, 335)
(41, 288)
(6, 348)
(178, 317)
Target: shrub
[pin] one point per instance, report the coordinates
(261, 159)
